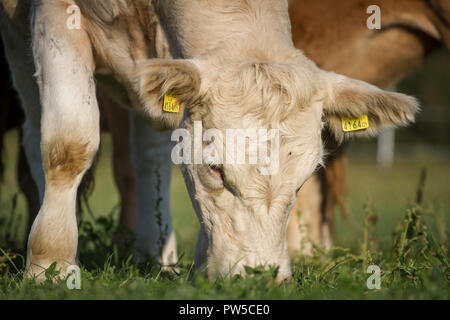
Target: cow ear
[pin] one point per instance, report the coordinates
(166, 87)
(356, 108)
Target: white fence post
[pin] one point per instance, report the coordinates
(386, 144)
(386, 148)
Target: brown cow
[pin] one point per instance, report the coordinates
(341, 42)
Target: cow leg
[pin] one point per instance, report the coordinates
(313, 218)
(307, 226)
(17, 52)
(118, 123)
(70, 135)
(335, 189)
(27, 185)
(30, 172)
(151, 151)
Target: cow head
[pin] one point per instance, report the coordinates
(244, 205)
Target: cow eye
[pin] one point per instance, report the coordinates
(217, 170)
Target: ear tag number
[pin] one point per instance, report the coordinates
(355, 124)
(171, 104)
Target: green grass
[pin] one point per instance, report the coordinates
(385, 227)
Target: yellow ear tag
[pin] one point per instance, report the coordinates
(171, 104)
(355, 124)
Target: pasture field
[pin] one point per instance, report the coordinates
(385, 227)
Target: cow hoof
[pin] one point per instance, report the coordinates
(40, 272)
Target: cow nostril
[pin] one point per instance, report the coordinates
(216, 170)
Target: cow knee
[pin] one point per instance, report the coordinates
(66, 160)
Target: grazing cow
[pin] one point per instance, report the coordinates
(411, 30)
(235, 68)
(341, 42)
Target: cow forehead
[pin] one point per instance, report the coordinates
(289, 119)
(259, 90)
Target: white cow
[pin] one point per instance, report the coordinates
(236, 68)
